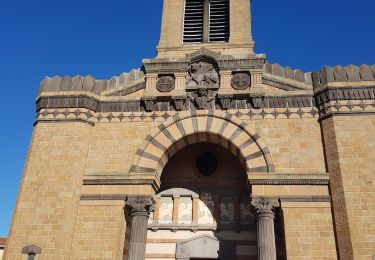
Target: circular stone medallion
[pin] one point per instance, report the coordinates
(165, 84)
(240, 81)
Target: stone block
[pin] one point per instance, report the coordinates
(268, 67)
(66, 83)
(352, 73)
(45, 85)
(77, 83)
(340, 74)
(366, 72)
(316, 78)
(88, 84)
(113, 83)
(288, 73)
(55, 84)
(299, 75)
(99, 86)
(277, 70)
(308, 78)
(124, 78)
(326, 75)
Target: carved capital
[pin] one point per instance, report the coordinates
(140, 205)
(265, 206)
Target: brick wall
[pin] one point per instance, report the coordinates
(48, 199)
(309, 233)
(99, 231)
(352, 164)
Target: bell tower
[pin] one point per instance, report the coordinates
(218, 25)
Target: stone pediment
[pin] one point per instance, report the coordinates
(203, 54)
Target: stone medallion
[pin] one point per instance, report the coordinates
(240, 81)
(165, 84)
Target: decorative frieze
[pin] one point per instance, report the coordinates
(92, 117)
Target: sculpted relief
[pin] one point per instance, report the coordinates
(202, 84)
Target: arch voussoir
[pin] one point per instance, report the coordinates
(208, 126)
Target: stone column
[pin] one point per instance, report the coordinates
(264, 208)
(139, 211)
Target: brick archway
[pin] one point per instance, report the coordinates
(197, 126)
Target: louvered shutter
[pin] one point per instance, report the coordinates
(219, 21)
(193, 23)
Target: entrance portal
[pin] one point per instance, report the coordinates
(203, 207)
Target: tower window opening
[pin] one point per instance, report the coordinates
(206, 21)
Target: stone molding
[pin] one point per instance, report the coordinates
(90, 197)
(297, 198)
(234, 101)
(289, 182)
(122, 181)
(305, 198)
(87, 116)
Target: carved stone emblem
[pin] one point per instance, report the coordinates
(240, 81)
(202, 84)
(202, 74)
(165, 84)
(202, 98)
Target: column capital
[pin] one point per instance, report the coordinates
(265, 206)
(140, 205)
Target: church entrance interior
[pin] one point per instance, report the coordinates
(203, 208)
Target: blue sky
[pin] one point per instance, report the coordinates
(106, 38)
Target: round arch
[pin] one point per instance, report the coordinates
(195, 126)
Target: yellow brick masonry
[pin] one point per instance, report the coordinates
(295, 144)
(99, 231)
(50, 191)
(309, 233)
(355, 137)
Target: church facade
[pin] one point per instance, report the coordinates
(208, 151)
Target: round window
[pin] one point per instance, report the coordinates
(206, 163)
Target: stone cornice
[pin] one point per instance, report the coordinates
(289, 179)
(122, 179)
(289, 182)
